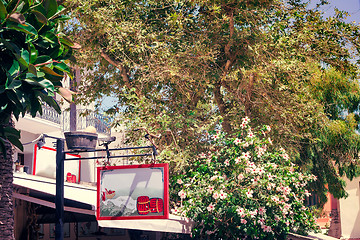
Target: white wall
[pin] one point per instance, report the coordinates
(349, 210)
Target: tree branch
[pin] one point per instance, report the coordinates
(123, 71)
(222, 108)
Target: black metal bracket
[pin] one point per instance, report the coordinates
(61, 157)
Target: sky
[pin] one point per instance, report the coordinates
(351, 6)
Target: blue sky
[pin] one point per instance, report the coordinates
(351, 6)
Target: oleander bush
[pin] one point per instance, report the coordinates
(244, 188)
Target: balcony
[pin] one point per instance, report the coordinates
(51, 121)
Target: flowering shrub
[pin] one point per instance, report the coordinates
(244, 188)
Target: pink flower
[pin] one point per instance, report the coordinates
(243, 221)
(266, 228)
(179, 181)
(202, 155)
(240, 177)
(262, 210)
(211, 207)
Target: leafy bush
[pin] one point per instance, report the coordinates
(34, 58)
(244, 188)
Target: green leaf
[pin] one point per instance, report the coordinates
(12, 84)
(43, 59)
(51, 7)
(11, 94)
(3, 12)
(16, 142)
(51, 72)
(62, 67)
(33, 53)
(25, 55)
(67, 41)
(11, 5)
(50, 101)
(15, 68)
(40, 17)
(32, 69)
(26, 28)
(50, 37)
(10, 131)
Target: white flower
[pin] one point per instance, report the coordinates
(253, 213)
(250, 134)
(202, 155)
(222, 194)
(307, 193)
(210, 189)
(182, 194)
(245, 155)
(268, 128)
(246, 120)
(249, 193)
(237, 141)
(211, 207)
(213, 178)
(227, 162)
(237, 160)
(216, 137)
(240, 211)
(174, 211)
(216, 195)
(179, 181)
(240, 177)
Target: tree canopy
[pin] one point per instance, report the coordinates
(181, 68)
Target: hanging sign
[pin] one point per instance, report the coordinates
(133, 192)
(44, 164)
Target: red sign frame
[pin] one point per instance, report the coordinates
(147, 207)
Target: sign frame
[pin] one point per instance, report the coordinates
(135, 169)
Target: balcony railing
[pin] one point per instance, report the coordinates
(49, 114)
(83, 119)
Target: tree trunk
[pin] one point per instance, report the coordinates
(6, 193)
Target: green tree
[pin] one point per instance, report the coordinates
(180, 68)
(33, 55)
